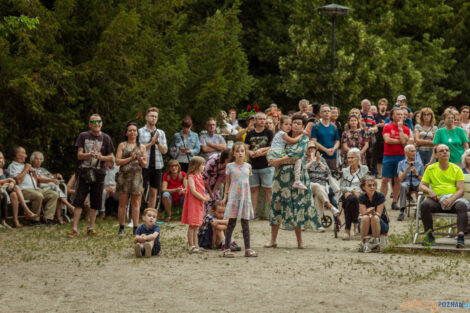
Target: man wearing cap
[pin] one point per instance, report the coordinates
(401, 103)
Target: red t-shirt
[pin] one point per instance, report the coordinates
(395, 149)
(173, 184)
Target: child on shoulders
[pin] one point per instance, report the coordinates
(147, 235)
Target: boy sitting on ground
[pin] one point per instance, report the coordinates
(147, 236)
(212, 233)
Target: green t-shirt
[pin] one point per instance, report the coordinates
(454, 139)
(443, 182)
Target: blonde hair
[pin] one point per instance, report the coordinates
(150, 210)
(464, 156)
(3, 157)
(427, 111)
(152, 109)
(450, 111)
(195, 164)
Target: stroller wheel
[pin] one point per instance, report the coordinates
(326, 221)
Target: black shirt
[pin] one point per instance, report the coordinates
(256, 141)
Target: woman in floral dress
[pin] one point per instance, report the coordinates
(292, 208)
(354, 137)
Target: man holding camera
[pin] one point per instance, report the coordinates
(410, 171)
(94, 149)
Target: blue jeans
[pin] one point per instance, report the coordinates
(425, 156)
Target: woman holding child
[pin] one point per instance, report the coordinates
(292, 207)
(131, 157)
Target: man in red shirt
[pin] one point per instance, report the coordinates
(396, 137)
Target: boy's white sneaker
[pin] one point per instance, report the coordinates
(334, 210)
(138, 250)
(148, 249)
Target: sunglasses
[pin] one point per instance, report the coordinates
(95, 122)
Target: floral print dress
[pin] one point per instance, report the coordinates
(239, 195)
(354, 139)
(291, 207)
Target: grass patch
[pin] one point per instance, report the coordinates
(42, 243)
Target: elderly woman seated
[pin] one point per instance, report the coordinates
(350, 189)
(318, 172)
(373, 219)
(50, 181)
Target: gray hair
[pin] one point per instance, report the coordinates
(464, 156)
(356, 152)
(364, 101)
(304, 101)
(33, 156)
(408, 147)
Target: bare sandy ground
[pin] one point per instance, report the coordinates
(328, 276)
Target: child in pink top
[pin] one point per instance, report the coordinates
(193, 207)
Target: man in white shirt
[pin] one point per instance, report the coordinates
(28, 182)
(155, 143)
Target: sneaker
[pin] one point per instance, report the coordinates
(92, 232)
(430, 240)
(72, 234)
(138, 250)
(320, 229)
(401, 217)
(299, 185)
(121, 232)
(334, 210)
(148, 249)
(460, 241)
(395, 206)
(235, 247)
(373, 243)
(363, 247)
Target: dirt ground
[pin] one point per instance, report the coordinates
(43, 271)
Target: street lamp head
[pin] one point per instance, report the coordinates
(333, 10)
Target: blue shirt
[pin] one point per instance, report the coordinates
(143, 230)
(419, 168)
(326, 136)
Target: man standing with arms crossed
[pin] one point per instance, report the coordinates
(94, 149)
(154, 141)
(396, 137)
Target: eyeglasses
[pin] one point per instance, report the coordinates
(95, 122)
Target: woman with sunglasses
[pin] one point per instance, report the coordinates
(173, 187)
(424, 134)
(373, 219)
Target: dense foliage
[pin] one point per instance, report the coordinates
(62, 60)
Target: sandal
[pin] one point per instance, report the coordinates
(228, 254)
(250, 253)
(270, 245)
(17, 224)
(193, 250)
(30, 215)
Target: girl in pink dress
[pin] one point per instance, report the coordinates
(238, 198)
(193, 206)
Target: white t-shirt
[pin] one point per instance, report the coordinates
(278, 142)
(15, 169)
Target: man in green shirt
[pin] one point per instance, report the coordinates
(444, 183)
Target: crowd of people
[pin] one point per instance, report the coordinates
(305, 162)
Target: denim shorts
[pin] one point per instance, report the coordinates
(263, 177)
(166, 194)
(390, 165)
(383, 227)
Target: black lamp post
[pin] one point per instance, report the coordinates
(333, 10)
